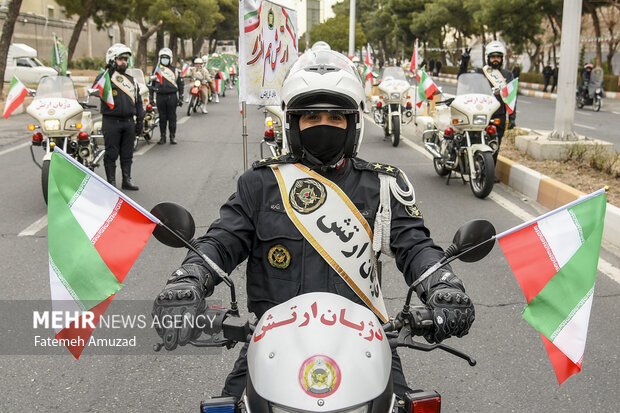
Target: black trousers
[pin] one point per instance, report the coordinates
(501, 128)
(167, 107)
(236, 380)
(119, 135)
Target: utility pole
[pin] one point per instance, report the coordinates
(567, 82)
(352, 27)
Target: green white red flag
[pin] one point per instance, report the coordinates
(414, 57)
(185, 69)
(509, 95)
(95, 233)
(426, 87)
(554, 258)
(251, 14)
(368, 59)
(17, 94)
(59, 56)
(104, 86)
(159, 74)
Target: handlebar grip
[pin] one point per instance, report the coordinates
(421, 320)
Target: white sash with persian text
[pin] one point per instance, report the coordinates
(125, 85)
(328, 219)
(169, 75)
(495, 76)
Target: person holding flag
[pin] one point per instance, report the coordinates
(289, 248)
(169, 87)
(498, 78)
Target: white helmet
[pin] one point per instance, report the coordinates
(323, 80)
(198, 61)
(495, 47)
(355, 59)
(321, 45)
(117, 50)
(165, 52)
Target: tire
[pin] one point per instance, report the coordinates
(45, 174)
(596, 104)
(438, 164)
(485, 167)
(395, 131)
(190, 105)
(579, 102)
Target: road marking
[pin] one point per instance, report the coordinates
(585, 126)
(615, 113)
(147, 147)
(182, 121)
(35, 227)
(14, 148)
(584, 113)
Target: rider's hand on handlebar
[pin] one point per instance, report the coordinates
(466, 54)
(180, 302)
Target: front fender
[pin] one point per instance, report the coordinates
(480, 147)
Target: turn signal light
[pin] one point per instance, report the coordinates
(497, 121)
(448, 132)
(37, 139)
(379, 104)
(491, 129)
(83, 136)
(269, 123)
(149, 107)
(455, 121)
(78, 126)
(31, 127)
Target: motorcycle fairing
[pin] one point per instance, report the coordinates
(346, 340)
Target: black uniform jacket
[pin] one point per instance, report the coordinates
(124, 106)
(166, 87)
(254, 220)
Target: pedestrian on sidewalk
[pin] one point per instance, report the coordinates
(431, 66)
(547, 73)
(437, 68)
(555, 78)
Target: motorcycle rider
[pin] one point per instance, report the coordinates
(170, 85)
(118, 125)
(214, 75)
(586, 75)
(200, 72)
(498, 77)
(323, 100)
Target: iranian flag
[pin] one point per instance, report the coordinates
(185, 69)
(95, 233)
(159, 74)
(554, 258)
(509, 95)
(368, 58)
(17, 94)
(104, 86)
(426, 88)
(414, 57)
(251, 14)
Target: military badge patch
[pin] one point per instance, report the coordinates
(307, 195)
(279, 257)
(319, 376)
(413, 211)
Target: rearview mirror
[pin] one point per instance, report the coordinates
(177, 219)
(473, 241)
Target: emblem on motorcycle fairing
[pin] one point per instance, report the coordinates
(413, 211)
(51, 112)
(307, 195)
(319, 376)
(279, 257)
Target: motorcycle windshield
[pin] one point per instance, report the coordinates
(136, 74)
(396, 73)
(473, 83)
(55, 87)
(596, 80)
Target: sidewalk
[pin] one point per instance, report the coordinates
(525, 88)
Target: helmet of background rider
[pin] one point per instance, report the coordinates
(198, 61)
(115, 51)
(321, 45)
(323, 80)
(589, 66)
(495, 47)
(164, 54)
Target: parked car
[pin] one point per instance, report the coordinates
(22, 61)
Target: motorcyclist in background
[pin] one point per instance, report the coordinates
(200, 72)
(205, 59)
(586, 75)
(323, 102)
(498, 77)
(169, 94)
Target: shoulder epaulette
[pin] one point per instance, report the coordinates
(275, 160)
(362, 165)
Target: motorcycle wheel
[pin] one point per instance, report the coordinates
(596, 104)
(395, 131)
(579, 103)
(190, 105)
(485, 168)
(45, 173)
(439, 166)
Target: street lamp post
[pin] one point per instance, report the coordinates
(567, 82)
(351, 27)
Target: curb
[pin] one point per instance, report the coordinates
(551, 193)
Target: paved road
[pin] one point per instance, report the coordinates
(513, 372)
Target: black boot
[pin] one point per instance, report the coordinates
(126, 169)
(110, 173)
(172, 141)
(162, 140)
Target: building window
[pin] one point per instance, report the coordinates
(50, 12)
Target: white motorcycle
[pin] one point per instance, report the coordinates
(463, 136)
(62, 121)
(393, 106)
(273, 138)
(320, 352)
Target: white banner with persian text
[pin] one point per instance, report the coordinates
(267, 48)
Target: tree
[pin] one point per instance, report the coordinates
(335, 32)
(7, 34)
(591, 7)
(82, 8)
(611, 17)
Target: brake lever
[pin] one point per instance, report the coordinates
(405, 339)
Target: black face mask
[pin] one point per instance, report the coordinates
(324, 142)
(121, 68)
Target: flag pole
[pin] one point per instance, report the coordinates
(244, 134)
(563, 207)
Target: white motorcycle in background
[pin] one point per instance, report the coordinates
(320, 352)
(393, 106)
(463, 137)
(274, 135)
(62, 121)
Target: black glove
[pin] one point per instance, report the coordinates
(183, 296)
(180, 102)
(453, 310)
(465, 55)
(139, 127)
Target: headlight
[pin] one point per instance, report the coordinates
(197, 83)
(480, 120)
(363, 408)
(51, 124)
(395, 96)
